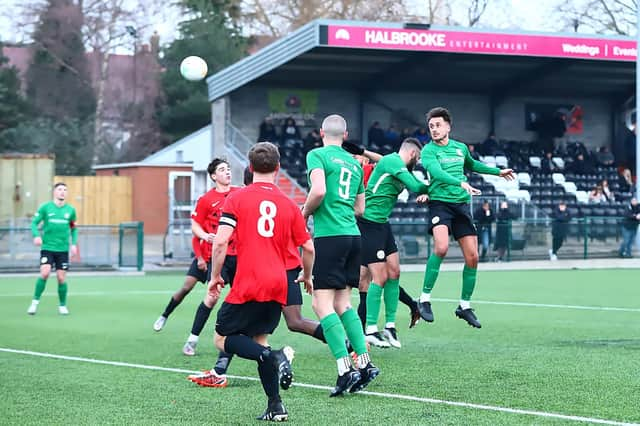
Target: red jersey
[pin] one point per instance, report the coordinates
(207, 213)
(267, 223)
(367, 169)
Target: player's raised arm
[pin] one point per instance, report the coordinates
(411, 182)
(432, 165)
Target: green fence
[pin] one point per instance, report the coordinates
(100, 247)
(527, 239)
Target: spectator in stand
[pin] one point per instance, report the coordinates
(375, 136)
(547, 165)
(484, 218)
(267, 131)
(392, 138)
(606, 191)
(559, 227)
(405, 133)
(422, 135)
(490, 145)
(630, 227)
(313, 140)
(626, 181)
(503, 230)
(596, 196)
(581, 166)
(290, 131)
(604, 157)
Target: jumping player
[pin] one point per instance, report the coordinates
(445, 159)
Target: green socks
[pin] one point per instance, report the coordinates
(468, 282)
(373, 303)
(40, 285)
(62, 294)
(391, 297)
(431, 273)
(335, 336)
(353, 327)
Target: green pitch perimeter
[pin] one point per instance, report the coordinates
(558, 343)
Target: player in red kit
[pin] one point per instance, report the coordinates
(266, 224)
(292, 312)
(204, 220)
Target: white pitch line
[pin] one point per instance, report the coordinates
(96, 293)
(355, 296)
(319, 387)
(545, 305)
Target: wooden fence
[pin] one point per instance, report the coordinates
(99, 200)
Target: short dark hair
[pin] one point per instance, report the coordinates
(248, 176)
(264, 157)
(213, 165)
(411, 141)
(59, 184)
(439, 112)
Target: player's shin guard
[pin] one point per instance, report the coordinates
(173, 303)
(269, 380)
(62, 294)
(373, 304)
(362, 308)
(431, 273)
(405, 298)
(351, 324)
(335, 335)
(468, 282)
(391, 297)
(222, 364)
(202, 315)
(41, 283)
(318, 333)
(244, 347)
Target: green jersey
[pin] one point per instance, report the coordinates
(343, 179)
(387, 181)
(57, 226)
(445, 167)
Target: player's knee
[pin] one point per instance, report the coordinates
(472, 260)
(441, 249)
(294, 324)
(218, 340)
(393, 272)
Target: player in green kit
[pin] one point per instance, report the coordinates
(336, 196)
(445, 159)
(59, 223)
(379, 251)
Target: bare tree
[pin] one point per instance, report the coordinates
(600, 16)
(110, 25)
(279, 17)
(476, 10)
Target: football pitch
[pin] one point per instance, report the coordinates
(556, 347)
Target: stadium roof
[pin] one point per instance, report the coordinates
(369, 56)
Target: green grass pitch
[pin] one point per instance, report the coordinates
(548, 359)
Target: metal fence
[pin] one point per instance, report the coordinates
(526, 239)
(100, 247)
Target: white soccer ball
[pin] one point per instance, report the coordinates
(193, 68)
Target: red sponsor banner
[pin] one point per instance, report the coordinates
(484, 43)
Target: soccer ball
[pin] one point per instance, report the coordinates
(193, 68)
